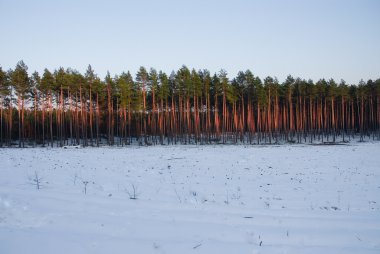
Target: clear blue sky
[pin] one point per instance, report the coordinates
(310, 39)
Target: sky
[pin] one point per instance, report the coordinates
(337, 39)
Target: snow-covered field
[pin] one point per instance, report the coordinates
(191, 199)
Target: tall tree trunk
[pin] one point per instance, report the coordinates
(19, 123)
(97, 119)
(91, 120)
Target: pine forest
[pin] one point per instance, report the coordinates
(64, 107)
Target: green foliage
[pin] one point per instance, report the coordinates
(196, 83)
(4, 84)
(184, 83)
(164, 89)
(125, 84)
(142, 76)
(153, 80)
(206, 81)
(21, 81)
(47, 82)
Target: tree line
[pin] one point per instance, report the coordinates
(65, 107)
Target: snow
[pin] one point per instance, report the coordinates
(191, 199)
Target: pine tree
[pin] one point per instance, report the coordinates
(5, 92)
(21, 83)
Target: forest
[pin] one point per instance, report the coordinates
(64, 107)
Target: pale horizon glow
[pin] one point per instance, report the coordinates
(307, 39)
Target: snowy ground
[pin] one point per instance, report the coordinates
(192, 199)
